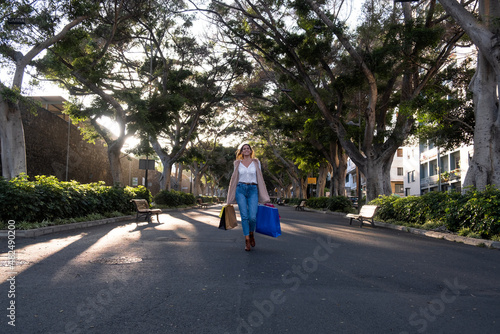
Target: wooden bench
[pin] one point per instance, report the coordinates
(367, 213)
(202, 204)
(142, 209)
(301, 206)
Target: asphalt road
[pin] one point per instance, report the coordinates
(187, 276)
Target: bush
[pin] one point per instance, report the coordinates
(386, 210)
(339, 203)
(48, 199)
(473, 213)
(419, 210)
(174, 198)
(477, 210)
(294, 201)
(317, 202)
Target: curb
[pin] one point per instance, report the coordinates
(428, 233)
(444, 236)
(36, 232)
(431, 234)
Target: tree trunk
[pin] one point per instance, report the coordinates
(179, 176)
(11, 126)
(165, 179)
(339, 170)
(114, 152)
(12, 140)
(303, 187)
(484, 168)
(167, 168)
(333, 181)
(166, 162)
(321, 183)
(379, 174)
(198, 185)
(338, 165)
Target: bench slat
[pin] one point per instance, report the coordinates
(367, 212)
(301, 206)
(142, 208)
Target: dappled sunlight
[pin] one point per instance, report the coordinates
(113, 242)
(33, 254)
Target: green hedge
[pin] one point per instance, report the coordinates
(293, 201)
(47, 198)
(474, 211)
(335, 203)
(211, 199)
(174, 198)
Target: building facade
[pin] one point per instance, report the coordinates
(429, 168)
(397, 177)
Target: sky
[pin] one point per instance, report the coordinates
(352, 13)
(46, 88)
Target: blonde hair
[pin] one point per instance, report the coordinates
(239, 155)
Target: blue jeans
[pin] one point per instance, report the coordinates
(247, 197)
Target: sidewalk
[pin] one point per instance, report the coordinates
(428, 233)
(33, 233)
(36, 232)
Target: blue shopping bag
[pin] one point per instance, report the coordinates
(268, 221)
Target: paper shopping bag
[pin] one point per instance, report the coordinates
(230, 216)
(227, 218)
(268, 221)
(222, 215)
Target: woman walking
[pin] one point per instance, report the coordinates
(247, 189)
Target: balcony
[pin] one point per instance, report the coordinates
(453, 175)
(429, 181)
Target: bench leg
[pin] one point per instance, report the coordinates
(350, 221)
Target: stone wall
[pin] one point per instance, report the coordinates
(46, 136)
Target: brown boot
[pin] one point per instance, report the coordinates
(247, 243)
(252, 239)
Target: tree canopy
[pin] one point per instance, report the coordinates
(290, 76)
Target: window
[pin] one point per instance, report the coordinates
(400, 171)
(400, 152)
(424, 170)
(398, 188)
(411, 176)
(433, 168)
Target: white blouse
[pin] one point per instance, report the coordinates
(247, 174)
